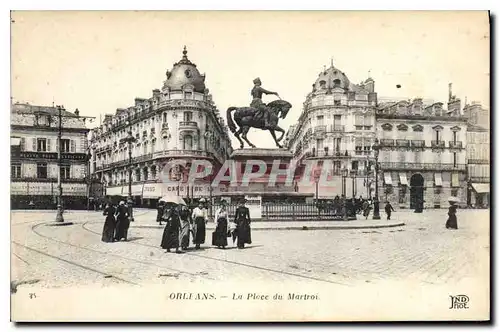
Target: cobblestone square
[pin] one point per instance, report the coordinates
(422, 250)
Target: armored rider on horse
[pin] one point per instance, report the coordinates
(258, 115)
(257, 103)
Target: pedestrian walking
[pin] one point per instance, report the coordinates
(122, 222)
(186, 225)
(451, 223)
(219, 236)
(170, 238)
(366, 209)
(388, 209)
(108, 231)
(159, 211)
(242, 220)
(200, 218)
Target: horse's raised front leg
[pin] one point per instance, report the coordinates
(237, 135)
(244, 135)
(282, 131)
(275, 140)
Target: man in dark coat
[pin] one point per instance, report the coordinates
(388, 210)
(242, 221)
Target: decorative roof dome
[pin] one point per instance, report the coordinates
(332, 78)
(184, 73)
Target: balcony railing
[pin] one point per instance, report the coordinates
(386, 142)
(479, 179)
(478, 161)
(188, 124)
(437, 144)
(320, 129)
(418, 143)
(402, 142)
(455, 144)
(421, 166)
(336, 128)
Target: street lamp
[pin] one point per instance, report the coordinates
(129, 140)
(376, 203)
(89, 179)
(345, 173)
(353, 177)
(344, 177)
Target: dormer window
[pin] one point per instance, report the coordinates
(322, 84)
(336, 83)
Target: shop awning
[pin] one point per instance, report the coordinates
(454, 180)
(481, 188)
(15, 141)
(438, 180)
(402, 179)
(388, 179)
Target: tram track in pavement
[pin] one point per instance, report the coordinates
(53, 239)
(137, 243)
(88, 268)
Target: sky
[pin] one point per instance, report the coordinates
(99, 61)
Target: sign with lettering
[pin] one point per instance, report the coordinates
(47, 188)
(254, 205)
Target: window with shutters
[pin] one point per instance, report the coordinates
(65, 145)
(41, 170)
(15, 171)
(65, 172)
(41, 145)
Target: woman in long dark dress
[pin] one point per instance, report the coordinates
(108, 231)
(170, 238)
(185, 228)
(122, 222)
(242, 220)
(219, 238)
(452, 217)
(199, 220)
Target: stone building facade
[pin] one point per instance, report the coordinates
(34, 157)
(478, 155)
(422, 152)
(337, 124)
(180, 121)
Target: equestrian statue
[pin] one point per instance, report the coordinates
(258, 115)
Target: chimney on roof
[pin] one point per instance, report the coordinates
(77, 112)
(449, 92)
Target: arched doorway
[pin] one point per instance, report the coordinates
(416, 190)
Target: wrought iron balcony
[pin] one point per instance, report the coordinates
(188, 125)
(422, 166)
(402, 142)
(437, 144)
(478, 161)
(337, 128)
(386, 142)
(455, 144)
(417, 143)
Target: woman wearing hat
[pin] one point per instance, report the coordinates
(452, 214)
(122, 222)
(199, 217)
(170, 238)
(242, 221)
(186, 223)
(219, 236)
(257, 103)
(108, 231)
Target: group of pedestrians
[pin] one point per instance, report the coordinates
(181, 224)
(117, 222)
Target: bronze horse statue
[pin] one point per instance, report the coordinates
(245, 119)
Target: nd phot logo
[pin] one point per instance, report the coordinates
(459, 302)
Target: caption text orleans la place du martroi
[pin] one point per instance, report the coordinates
(243, 296)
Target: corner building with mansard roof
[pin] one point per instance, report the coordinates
(337, 124)
(180, 121)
